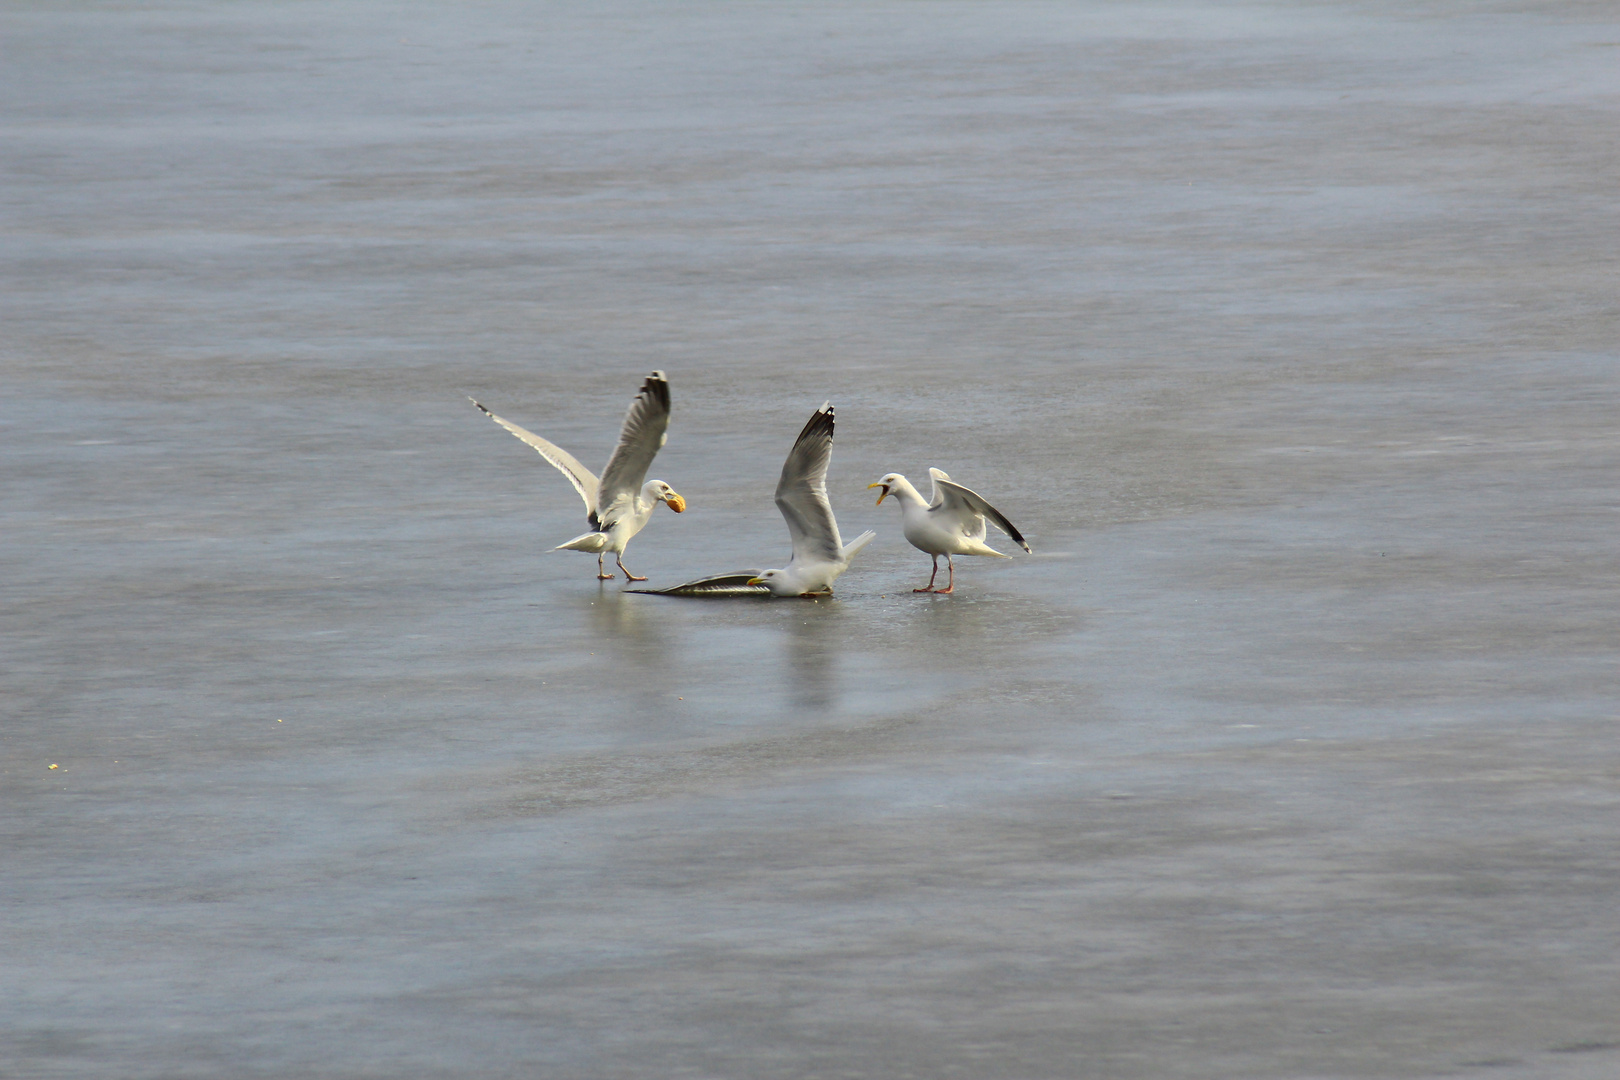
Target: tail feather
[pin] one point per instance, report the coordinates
(591, 541)
(979, 547)
(853, 548)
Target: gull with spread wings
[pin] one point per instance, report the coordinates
(819, 553)
(951, 523)
(618, 505)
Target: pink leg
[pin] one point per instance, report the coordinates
(930, 586)
(620, 560)
(947, 590)
(601, 574)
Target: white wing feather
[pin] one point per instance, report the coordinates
(801, 493)
(969, 509)
(643, 435)
(583, 480)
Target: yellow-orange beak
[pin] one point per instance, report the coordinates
(676, 503)
(756, 581)
(882, 495)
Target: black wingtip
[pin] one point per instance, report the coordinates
(481, 408)
(820, 424)
(656, 386)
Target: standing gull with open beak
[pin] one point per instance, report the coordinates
(618, 505)
(951, 523)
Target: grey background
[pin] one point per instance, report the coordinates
(1287, 332)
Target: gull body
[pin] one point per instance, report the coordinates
(819, 553)
(950, 523)
(619, 504)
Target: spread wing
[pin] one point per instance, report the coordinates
(640, 439)
(963, 503)
(718, 587)
(801, 494)
(583, 481)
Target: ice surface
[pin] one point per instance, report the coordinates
(1286, 333)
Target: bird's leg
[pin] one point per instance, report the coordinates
(947, 590)
(930, 586)
(601, 574)
(619, 558)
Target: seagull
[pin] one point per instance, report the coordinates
(819, 554)
(951, 523)
(618, 505)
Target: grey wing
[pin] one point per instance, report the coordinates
(584, 482)
(954, 498)
(717, 587)
(640, 439)
(801, 494)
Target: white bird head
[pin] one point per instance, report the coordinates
(775, 581)
(888, 484)
(657, 489)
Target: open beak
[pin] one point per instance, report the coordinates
(676, 503)
(882, 495)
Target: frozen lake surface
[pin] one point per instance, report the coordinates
(1286, 333)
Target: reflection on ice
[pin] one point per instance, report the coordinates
(815, 640)
(637, 644)
(762, 663)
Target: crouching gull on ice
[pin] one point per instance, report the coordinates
(819, 553)
(618, 505)
(951, 523)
